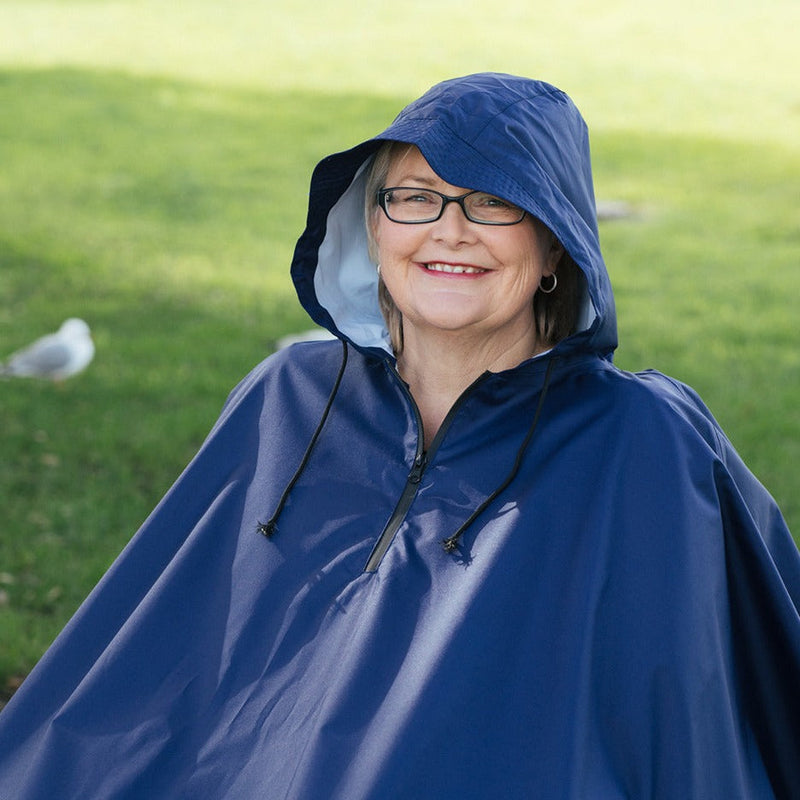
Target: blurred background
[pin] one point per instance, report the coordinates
(155, 160)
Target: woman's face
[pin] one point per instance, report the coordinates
(456, 275)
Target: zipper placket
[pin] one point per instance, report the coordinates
(421, 461)
(399, 513)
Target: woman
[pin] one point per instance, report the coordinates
(492, 564)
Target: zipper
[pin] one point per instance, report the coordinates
(421, 461)
(399, 513)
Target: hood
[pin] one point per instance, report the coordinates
(517, 138)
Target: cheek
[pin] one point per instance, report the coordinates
(527, 258)
(386, 255)
(537, 260)
(395, 243)
(527, 265)
(526, 282)
(381, 236)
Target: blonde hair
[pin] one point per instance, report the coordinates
(555, 314)
(376, 178)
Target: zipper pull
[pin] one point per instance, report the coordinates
(420, 462)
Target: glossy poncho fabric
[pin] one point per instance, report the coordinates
(619, 621)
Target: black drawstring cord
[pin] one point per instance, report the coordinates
(451, 542)
(269, 527)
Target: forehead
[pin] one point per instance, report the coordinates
(408, 167)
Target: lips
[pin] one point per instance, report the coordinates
(453, 269)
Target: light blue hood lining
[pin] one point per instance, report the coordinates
(346, 279)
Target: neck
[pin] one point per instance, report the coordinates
(439, 366)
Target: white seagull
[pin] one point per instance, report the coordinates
(56, 356)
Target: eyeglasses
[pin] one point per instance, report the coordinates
(411, 205)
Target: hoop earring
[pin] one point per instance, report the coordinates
(378, 269)
(551, 289)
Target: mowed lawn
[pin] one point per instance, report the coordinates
(155, 165)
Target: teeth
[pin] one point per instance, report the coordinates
(459, 270)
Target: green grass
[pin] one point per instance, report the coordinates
(154, 176)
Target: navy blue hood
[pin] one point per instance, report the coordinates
(520, 139)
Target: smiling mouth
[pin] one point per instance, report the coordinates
(453, 269)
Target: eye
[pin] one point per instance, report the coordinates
(481, 200)
(412, 196)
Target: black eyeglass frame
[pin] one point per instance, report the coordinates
(459, 199)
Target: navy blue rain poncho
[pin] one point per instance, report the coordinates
(615, 614)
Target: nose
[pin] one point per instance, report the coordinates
(453, 226)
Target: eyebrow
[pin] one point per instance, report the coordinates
(405, 178)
